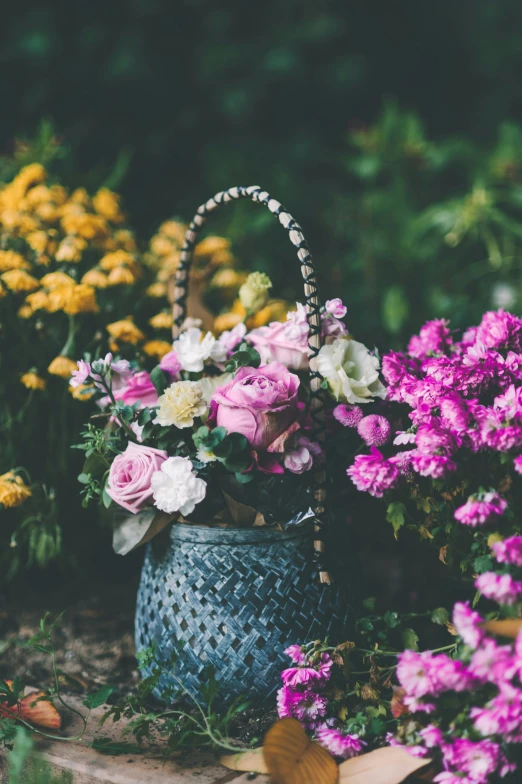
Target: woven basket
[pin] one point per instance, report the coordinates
(235, 598)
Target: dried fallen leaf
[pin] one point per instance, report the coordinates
(292, 758)
(251, 761)
(443, 552)
(389, 765)
(35, 708)
(509, 627)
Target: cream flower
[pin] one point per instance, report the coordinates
(180, 404)
(351, 371)
(193, 349)
(176, 488)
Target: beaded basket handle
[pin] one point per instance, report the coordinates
(313, 315)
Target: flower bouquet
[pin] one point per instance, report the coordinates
(225, 439)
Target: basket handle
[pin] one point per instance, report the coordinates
(313, 315)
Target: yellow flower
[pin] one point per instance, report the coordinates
(107, 204)
(95, 278)
(228, 279)
(58, 194)
(126, 331)
(54, 279)
(19, 280)
(32, 380)
(120, 276)
(175, 231)
(80, 196)
(13, 490)
(161, 245)
(180, 404)
(25, 311)
(253, 294)
(226, 321)
(82, 391)
(124, 239)
(10, 260)
(37, 241)
(37, 301)
(211, 245)
(90, 227)
(276, 310)
(168, 267)
(19, 222)
(161, 321)
(37, 195)
(62, 366)
(222, 258)
(157, 290)
(157, 348)
(3, 291)
(70, 249)
(81, 299)
(117, 258)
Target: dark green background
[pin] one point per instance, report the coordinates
(180, 99)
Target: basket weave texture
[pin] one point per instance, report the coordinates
(233, 599)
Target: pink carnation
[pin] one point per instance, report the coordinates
(335, 307)
(374, 430)
(170, 364)
(296, 654)
(499, 330)
(435, 466)
(414, 673)
(434, 337)
(509, 550)
(338, 743)
(517, 464)
(478, 512)
(468, 624)
(502, 588)
(373, 473)
(493, 663)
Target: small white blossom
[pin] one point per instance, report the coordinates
(206, 455)
(176, 488)
(192, 349)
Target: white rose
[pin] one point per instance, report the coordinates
(351, 371)
(180, 404)
(192, 349)
(176, 488)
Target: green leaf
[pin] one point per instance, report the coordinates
(107, 746)
(410, 639)
(391, 619)
(244, 479)
(95, 465)
(106, 499)
(99, 697)
(84, 479)
(395, 515)
(483, 563)
(440, 616)
(160, 380)
(144, 416)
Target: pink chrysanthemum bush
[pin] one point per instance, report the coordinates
(464, 710)
(452, 468)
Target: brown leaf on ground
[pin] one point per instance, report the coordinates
(390, 765)
(35, 708)
(292, 758)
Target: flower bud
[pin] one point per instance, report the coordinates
(253, 294)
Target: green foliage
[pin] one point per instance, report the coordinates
(245, 356)
(395, 514)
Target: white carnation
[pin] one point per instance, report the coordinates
(180, 404)
(192, 349)
(176, 488)
(351, 371)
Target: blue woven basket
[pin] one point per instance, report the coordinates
(234, 599)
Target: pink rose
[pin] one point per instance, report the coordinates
(275, 344)
(139, 387)
(260, 403)
(130, 476)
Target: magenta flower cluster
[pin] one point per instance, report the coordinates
(304, 696)
(473, 731)
(461, 397)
